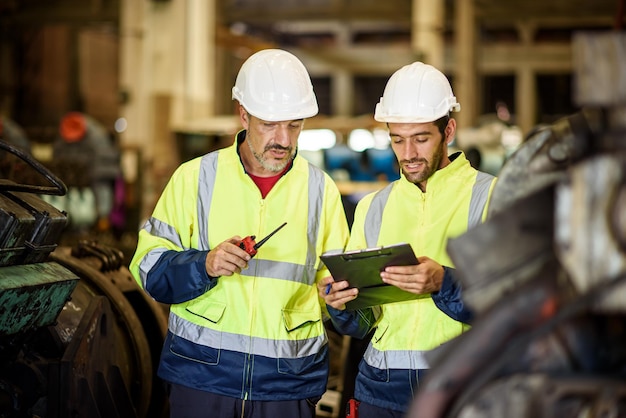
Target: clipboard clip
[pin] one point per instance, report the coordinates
(367, 253)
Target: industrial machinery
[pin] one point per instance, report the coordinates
(78, 336)
(85, 156)
(546, 273)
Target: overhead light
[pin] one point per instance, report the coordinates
(381, 138)
(120, 125)
(316, 139)
(360, 140)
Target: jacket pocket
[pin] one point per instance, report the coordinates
(195, 352)
(301, 322)
(374, 364)
(204, 323)
(303, 352)
(373, 373)
(211, 312)
(381, 329)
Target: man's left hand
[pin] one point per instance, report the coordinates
(425, 277)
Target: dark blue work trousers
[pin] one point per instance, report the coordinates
(192, 403)
(370, 411)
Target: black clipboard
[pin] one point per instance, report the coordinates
(361, 269)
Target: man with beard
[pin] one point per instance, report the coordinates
(437, 197)
(245, 335)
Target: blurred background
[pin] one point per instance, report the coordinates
(152, 79)
(110, 96)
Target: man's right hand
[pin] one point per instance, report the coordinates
(227, 258)
(336, 294)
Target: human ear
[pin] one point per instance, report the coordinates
(243, 117)
(450, 131)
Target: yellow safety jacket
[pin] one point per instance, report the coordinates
(257, 335)
(455, 200)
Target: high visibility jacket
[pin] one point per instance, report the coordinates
(257, 335)
(456, 199)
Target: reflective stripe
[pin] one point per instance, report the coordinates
(265, 268)
(147, 262)
(160, 229)
(206, 182)
(279, 270)
(245, 343)
(480, 195)
(374, 216)
(478, 201)
(395, 359)
(301, 273)
(413, 359)
(317, 185)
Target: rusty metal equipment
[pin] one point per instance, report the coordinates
(78, 337)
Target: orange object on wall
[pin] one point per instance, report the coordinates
(73, 127)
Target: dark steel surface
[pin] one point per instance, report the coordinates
(32, 295)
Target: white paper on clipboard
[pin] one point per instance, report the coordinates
(361, 269)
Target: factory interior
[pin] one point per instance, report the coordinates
(101, 100)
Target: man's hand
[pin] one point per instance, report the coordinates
(425, 277)
(336, 294)
(227, 258)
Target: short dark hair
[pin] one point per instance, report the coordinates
(442, 122)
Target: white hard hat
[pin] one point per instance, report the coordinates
(416, 93)
(274, 85)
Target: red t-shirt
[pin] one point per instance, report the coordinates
(265, 184)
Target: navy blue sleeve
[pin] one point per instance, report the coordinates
(179, 276)
(356, 324)
(449, 298)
